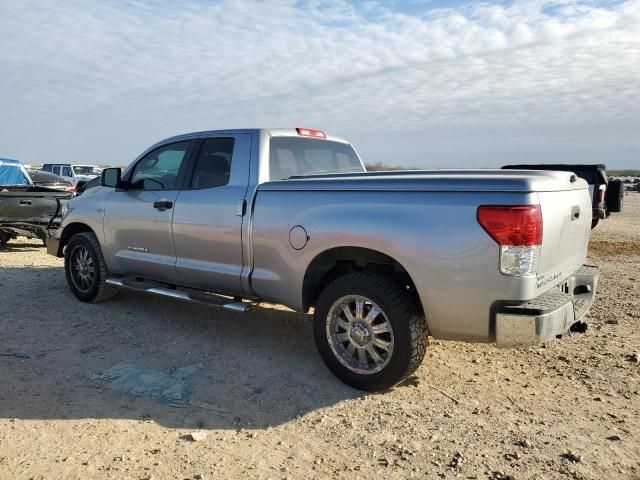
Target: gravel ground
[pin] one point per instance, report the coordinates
(264, 406)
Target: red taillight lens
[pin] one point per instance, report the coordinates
(512, 225)
(70, 188)
(310, 132)
(603, 190)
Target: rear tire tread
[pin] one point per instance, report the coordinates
(406, 306)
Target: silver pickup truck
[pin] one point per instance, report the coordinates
(290, 216)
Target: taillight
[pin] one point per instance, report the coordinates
(310, 132)
(518, 231)
(602, 192)
(70, 188)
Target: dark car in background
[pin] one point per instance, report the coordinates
(606, 195)
(50, 180)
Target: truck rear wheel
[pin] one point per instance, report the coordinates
(4, 238)
(369, 330)
(86, 270)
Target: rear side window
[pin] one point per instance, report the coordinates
(66, 172)
(293, 156)
(47, 168)
(213, 166)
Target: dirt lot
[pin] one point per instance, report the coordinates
(268, 408)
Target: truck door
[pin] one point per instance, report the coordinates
(208, 216)
(137, 224)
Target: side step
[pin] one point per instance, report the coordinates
(189, 296)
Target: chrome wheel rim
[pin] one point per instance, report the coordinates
(359, 334)
(82, 269)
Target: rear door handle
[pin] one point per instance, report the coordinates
(163, 204)
(25, 202)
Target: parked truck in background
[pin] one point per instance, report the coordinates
(607, 195)
(384, 259)
(27, 209)
(74, 173)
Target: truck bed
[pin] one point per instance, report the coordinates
(31, 211)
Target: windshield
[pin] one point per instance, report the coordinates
(291, 156)
(13, 175)
(86, 170)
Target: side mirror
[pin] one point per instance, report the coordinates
(111, 177)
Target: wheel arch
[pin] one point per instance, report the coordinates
(337, 261)
(71, 230)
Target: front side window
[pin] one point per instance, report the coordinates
(293, 156)
(158, 170)
(213, 166)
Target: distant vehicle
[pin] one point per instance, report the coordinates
(291, 216)
(82, 187)
(606, 195)
(72, 172)
(27, 209)
(41, 178)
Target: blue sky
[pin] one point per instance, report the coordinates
(417, 83)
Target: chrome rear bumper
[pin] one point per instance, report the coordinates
(549, 315)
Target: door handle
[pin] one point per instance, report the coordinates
(25, 202)
(162, 204)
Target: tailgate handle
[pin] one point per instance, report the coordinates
(575, 212)
(25, 202)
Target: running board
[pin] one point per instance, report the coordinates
(200, 297)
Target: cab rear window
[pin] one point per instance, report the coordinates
(293, 156)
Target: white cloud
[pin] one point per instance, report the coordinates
(99, 81)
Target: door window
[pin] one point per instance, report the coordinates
(159, 169)
(66, 172)
(213, 166)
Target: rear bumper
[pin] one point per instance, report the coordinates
(549, 315)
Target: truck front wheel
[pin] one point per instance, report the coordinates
(86, 270)
(369, 330)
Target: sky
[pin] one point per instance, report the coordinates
(419, 83)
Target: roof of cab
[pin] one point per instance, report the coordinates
(272, 132)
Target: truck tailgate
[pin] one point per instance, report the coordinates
(566, 217)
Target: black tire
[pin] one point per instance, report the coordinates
(97, 290)
(594, 223)
(4, 238)
(402, 310)
(614, 196)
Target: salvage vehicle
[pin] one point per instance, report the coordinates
(384, 259)
(607, 196)
(41, 178)
(27, 209)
